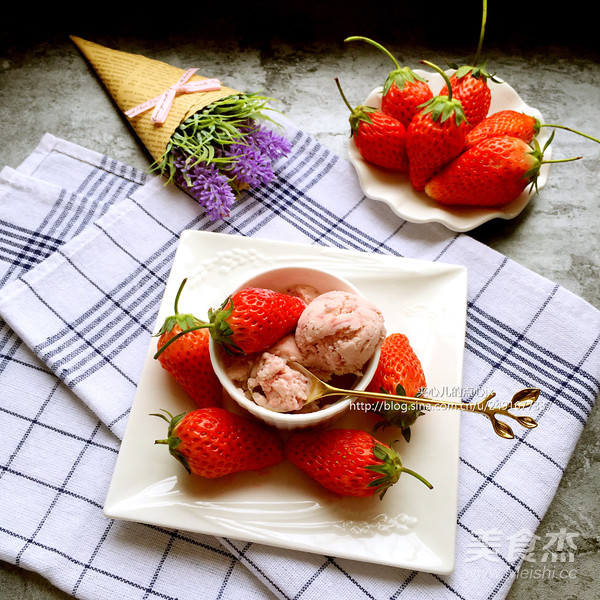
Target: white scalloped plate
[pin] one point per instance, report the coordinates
(395, 190)
(412, 526)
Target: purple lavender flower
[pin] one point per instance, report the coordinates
(206, 184)
(252, 156)
(268, 142)
(249, 166)
(240, 164)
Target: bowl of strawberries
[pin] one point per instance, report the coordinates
(287, 316)
(466, 148)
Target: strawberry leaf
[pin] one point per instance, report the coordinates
(400, 391)
(185, 321)
(220, 329)
(399, 78)
(173, 441)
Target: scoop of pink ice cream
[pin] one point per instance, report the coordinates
(306, 292)
(286, 348)
(339, 332)
(275, 385)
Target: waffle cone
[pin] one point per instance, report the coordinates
(132, 79)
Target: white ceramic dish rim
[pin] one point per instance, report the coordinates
(396, 191)
(295, 420)
(412, 527)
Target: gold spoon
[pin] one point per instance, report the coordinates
(522, 399)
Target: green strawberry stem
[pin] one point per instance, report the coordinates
(442, 73)
(337, 82)
(399, 76)
(481, 32)
(476, 70)
(390, 469)
(217, 325)
(443, 107)
(187, 322)
(178, 295)
(538, 154)
(179, 335)
(419, 477)
(358, 114)
(373, 43)
(585, 135)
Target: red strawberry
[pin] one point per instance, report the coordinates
(213, 442)
(491, 173)
(253, 319)
(403, 91)
(348, 462)
(470, 87)
(182, 351)
(399, 372)
(380, 139)
(434, 137)
(469, 84)
(398, 366)
(515, 124)
(504, 122)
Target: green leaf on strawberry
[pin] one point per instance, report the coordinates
(173, 441)
(442, 108)
(186, 322)
(401, 416)
(221, 331)
(390, 469)
(380, 138)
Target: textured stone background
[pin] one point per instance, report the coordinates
(293, 53)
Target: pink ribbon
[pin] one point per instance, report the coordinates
(162, 104)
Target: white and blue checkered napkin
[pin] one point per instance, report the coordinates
(87, 244)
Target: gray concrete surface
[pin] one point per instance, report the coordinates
(45, 86)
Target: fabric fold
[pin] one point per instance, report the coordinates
(78, 320)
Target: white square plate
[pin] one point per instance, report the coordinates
(412, 527)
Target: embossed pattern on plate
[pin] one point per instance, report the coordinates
(412, 526)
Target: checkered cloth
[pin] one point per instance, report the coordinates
(87, 244)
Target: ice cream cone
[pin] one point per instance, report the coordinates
(133, 79)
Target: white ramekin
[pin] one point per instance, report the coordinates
(282, 279)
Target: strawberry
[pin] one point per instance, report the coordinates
(212, 442)
(403, 90)
(469, 83)
(182, 350)
(515, 124)
(348, 462)
(379, 138)
(469, 86)
(399, 372)
(491, 173)
(435, 136)
(504, 122)
(253, 319)
(398, 366)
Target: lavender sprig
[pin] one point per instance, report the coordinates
(223, 149)
(206, 184)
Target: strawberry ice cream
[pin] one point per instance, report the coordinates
(339, 332)
(336, 335)
(275, 385)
